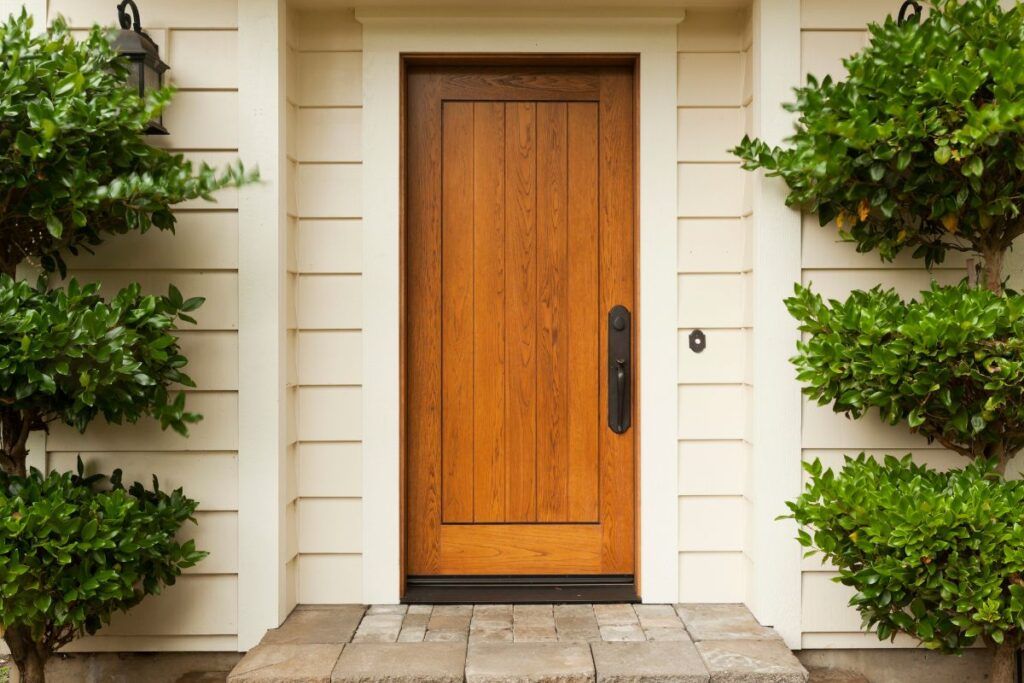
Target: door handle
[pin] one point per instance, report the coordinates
(619, 368)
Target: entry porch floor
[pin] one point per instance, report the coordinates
(561, 643)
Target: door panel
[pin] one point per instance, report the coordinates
(520, 221)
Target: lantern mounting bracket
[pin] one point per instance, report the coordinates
(905, 15)
(132, 22)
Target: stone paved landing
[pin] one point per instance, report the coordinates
(616, 643)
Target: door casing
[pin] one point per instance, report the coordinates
(525, 60)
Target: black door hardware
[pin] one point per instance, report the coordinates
(620, 370)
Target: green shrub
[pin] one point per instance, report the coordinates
(921, 146)
(937, 555)
(74, 167)
(951, 365)
(74, 550)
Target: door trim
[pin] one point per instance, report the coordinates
(652, 38)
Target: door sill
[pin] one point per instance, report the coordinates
(519, 589)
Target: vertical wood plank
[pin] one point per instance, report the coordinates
(457, 315)
(423, 325)
(521, 311)
(552, 318)
(584, 320)
(489, 311)
(617, 215)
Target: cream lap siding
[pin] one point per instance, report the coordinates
(830, 31)
(327, 111)
(200, 611)
(713, 274)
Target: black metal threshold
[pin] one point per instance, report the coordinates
(440, 590)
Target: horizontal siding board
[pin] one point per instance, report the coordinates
(326, 358)
(330, 470)
(189, 643)
(909, 282)
(330, 413)
(330, 525)
(711, 300)
(825, 604)
(823, 249)
(710, 79)
(203, 476)
(329, 134)
(218, 431)
(177, 14)
(329, 79)
(202, 240)
(330, 246)
(823, 428)
(712, 412)
(712, 577)
(711, 190)
(709, 30)
(712, 468)
(330, 579)
(840, 14)
(711, 524)
(189, 56)
(201, 119)
(711, 245)
(327, 29)
(721, 361)
(328, 302)
(212, 359)
(707, 134)
(195, 605)
(217, 534)
(822, 52)
(329, 191)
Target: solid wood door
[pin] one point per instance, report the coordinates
(519, 240)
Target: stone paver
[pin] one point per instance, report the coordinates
(287, 662)
(667, 634)
(615, 615)
(379, 628)
(836, 676)
(388, 609)
(316, 625)
(622, 632)
(412, 634)
(664, 662)
(751, 661)
(401, 663)
(535, 634)
(529, 663)
(722, 622)
(445, 636)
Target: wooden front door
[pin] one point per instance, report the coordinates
(519, 242)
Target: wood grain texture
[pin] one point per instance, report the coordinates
(520, 223)
(520, 311)
(584, 319)
(488, 266)
(457, 314)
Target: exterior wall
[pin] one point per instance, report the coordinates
(715, 97)
(326, 101)
(200, 611)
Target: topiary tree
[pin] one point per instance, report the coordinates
(74, 171)
(921, 147)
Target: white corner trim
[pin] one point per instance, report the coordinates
(776, 464)
(651, 34)
(261, 322)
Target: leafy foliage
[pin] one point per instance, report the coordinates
(950, 365)
(74, 550)
(936, 555)
(922, 145)
(73, 165)
(67, 354)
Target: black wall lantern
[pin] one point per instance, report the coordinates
(910, 8)
(147, 69)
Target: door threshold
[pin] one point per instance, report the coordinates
(440, 590)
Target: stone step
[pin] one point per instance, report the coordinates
(727, 646)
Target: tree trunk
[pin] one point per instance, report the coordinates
(15, 427)
(993, 269)
(1003, 664)
(29, 656)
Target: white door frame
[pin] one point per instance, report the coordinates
(651, 34)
